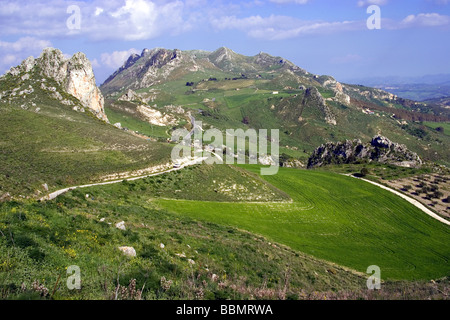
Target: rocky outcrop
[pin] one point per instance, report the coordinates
(74, 75)
(380, 149)
(313, 98)
(339, 94)
(128, 251)
(130, 95)
(155, 117)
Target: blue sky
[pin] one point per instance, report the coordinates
(322, 36)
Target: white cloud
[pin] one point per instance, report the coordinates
(95, 63)
(141, 19)
(98, 11)
(116, 59)
(282, 27)
(100, 19)
(13, 53)
(426, 20)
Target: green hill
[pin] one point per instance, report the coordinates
(49, 139)
(227, 90)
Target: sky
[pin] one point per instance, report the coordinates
(347, 39)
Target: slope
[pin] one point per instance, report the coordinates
(49, 138)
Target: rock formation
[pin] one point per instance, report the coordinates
(314, 98)
(380, 149)
(74, 75)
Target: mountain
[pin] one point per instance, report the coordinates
(159, 65)
(443, 102)
(54, 132)
(156, 91)
(299, 234)
(74, 77)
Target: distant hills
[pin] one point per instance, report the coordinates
(424, 88)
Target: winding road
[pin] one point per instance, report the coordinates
(409, 199)
(56, 193)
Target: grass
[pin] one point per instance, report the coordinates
(65, 150)
(38, 241)
(134, 124)
(333, 215)
(435, 125)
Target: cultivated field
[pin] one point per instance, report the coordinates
(339, 219)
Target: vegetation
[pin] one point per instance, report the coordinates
(77, 149)
(329, 215)
(204, 253)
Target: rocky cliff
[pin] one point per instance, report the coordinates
(380, 149)
(75, 77)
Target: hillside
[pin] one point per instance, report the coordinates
(54, 132)
(188, 248)
(224, 89)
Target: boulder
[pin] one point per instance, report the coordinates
(128, 251)
(121, 225)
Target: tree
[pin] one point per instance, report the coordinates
(364, 172)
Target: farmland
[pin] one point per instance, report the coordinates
(332, 215)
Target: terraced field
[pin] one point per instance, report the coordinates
(333, 215)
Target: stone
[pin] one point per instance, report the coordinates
(74, 75)
(380, 149)
(121, 225)
(128, 251)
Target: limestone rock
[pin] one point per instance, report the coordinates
(380, 149)
(121, 225)
(155, 116)
(128, 251)
(130, 95)
(75, 75)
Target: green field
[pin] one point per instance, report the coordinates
(339, 219)
(434, 125)
(300, 246)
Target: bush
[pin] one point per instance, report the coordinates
(364, 172)
(437, 195)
